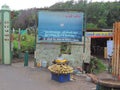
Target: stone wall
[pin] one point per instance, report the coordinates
(49, 51)
(79, 53)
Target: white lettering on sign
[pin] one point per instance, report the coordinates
(60, 34)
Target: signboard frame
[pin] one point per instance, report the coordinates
(60, 26)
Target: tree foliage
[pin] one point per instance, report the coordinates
(27, 43)
(98, 14)
(24, 18)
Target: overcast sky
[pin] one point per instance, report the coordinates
(25, 4)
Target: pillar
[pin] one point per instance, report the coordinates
(5, 25)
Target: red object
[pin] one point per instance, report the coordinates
(119, 77)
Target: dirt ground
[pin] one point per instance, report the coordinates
(18, 77)
(40, 79)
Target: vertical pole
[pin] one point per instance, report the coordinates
(19, 52)
(85, 20)
(35, 64)
(12, 45)
(6, 32)
(0, 37)
(114, 49)
(116, 52)
(119, 54)
(26, 59)
(13, 31)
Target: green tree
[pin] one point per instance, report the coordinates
(101, 14)
(27, 43)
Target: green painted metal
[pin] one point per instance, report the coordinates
(6, 50)
(2, 40)
(26, 59)
(19, 53)
(11, 51)
(6, 39)
(10, 38)
(19, 46)
(0, 37)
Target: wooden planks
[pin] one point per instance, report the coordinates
(105, 52)
(116, 50)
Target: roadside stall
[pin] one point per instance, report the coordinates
(99, 41)
(60, 70)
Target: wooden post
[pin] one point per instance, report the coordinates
(116, 51)
(119, 50)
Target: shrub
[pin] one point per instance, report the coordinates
(96, 65)
(27, 43)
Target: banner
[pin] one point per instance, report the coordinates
(60, 26)
(99, 34)
(109, 48)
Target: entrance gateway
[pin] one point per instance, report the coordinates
(5, 50)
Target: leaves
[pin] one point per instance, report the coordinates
(96, 65)
(25, 18)
(27, 43)
(101, 14)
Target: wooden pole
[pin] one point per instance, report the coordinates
(119, 50)
(113, 58)
(116, 36)
(116, 51)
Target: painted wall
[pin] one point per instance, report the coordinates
(49, 51)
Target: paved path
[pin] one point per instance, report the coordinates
(18, 77)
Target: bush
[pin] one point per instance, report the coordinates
(96, 65)
(27, 43)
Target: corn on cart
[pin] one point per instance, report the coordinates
(60, 70)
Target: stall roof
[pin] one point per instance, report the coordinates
(99, 30)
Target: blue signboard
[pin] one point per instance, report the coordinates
(60, 26)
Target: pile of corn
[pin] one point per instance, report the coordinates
(60, 69)
(61, 61)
